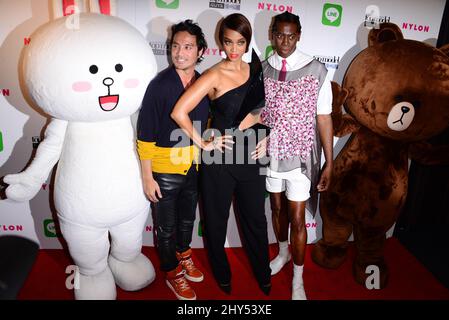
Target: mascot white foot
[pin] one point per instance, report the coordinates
(133, 275)
(97, 287)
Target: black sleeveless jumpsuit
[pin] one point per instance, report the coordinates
(243, 181)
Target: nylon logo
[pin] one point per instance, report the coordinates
(332, 14)
(415, 27)
(274, 7)
(212, 52)
(4, 227)
(167, 4)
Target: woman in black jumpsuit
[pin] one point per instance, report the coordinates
(236, 90)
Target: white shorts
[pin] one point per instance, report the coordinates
(296, 185)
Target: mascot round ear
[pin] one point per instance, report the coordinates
(445, 49)
(386, 32)
(439, 68)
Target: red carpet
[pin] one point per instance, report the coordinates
(408, 279)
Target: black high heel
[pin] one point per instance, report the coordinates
(266, 288)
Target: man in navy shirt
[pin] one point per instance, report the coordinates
(169, 159)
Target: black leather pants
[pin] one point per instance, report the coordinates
(174, 214)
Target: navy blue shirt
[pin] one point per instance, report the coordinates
(154, 123)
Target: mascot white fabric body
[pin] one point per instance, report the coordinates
(90, 76)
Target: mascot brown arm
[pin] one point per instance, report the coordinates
(428, 154)
(343, 123)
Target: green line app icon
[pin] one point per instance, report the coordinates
(268, 51)
(200, 228)
(49, 228)
(1, 142)
(167, 4)
(332, 14)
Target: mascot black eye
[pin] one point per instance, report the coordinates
(118, 67)
(93, 69)
(398, 98)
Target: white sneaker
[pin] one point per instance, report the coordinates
(298, 292)
(277, 263)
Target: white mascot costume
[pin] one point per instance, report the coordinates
(90, 74)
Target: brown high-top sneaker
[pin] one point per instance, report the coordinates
(176, 281)
(192, 272)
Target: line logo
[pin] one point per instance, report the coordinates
(1, 142)
(49, 228)
(332, 14)
(167, 4)
(200, 228)
(268, 51)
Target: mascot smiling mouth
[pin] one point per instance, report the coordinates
(109, 102)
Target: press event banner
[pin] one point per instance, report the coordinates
(334, 32)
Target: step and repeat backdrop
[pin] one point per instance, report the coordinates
(332, 31)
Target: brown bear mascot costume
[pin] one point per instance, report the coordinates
(396, 95)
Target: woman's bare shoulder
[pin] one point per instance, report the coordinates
(215, 73)
(216, 69)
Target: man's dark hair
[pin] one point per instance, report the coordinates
(193, 29)
(286, 17)
(236, 22)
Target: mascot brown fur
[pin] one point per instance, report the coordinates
(396, 95)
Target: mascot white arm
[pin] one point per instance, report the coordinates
(89, 72)
(25, 185)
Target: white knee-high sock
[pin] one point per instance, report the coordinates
(297, 275)
(298, 292)
(281, 259)
(283, 248)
